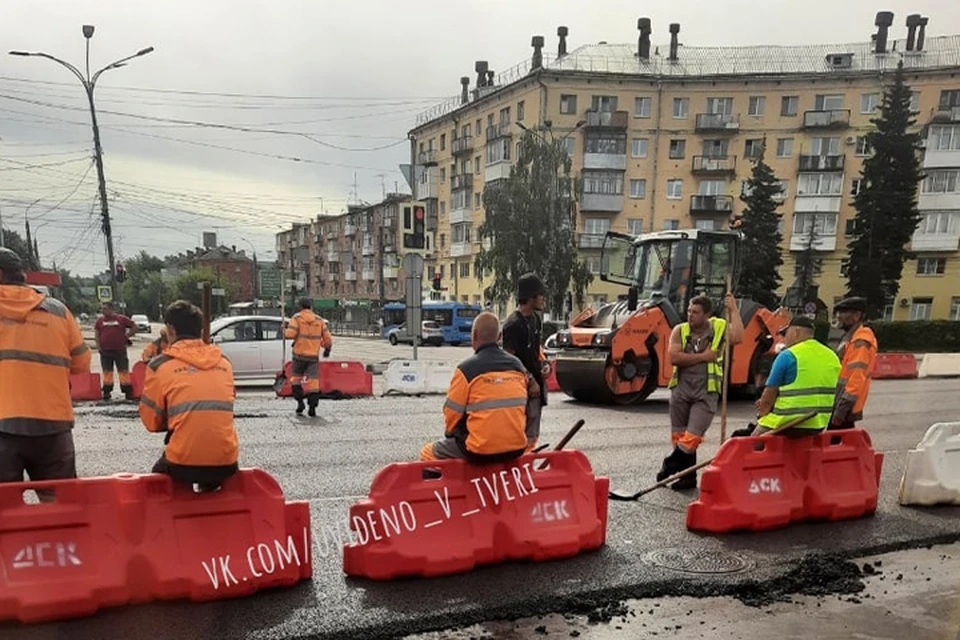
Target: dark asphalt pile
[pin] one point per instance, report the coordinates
(812, 576)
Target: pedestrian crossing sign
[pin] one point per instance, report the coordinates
(104, 293)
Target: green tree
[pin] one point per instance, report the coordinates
(144, 290)
(13, 240)
(809, 268)
(185, 288)
(72, 296)
(886, 205)
(761, 253)
(531, 225)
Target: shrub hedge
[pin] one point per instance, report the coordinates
(918, 336)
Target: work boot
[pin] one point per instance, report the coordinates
(671, 464)
(300, 406)
(298, 394)
(127, 392)
(106, 391)
(312, 400)
(688, 481)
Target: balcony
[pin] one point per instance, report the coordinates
(718, 122)
(614, 161)
(427, 158)
(333, 277)
(369, 249)
(333, 234)
(830, 119)
(391, 273)
(607, 120)
(821, 163)
(602, 202)
(935, 241)
(459, 249)
(463, 144)
(350, 275)
(823, 242)
(462, 181)
(947, 113)
(349, 229)
(714, 164)
(710, 205)
(590, 241)
(501, 130)
(817, 203)
(369, 274)
(333, 255)
(497, 171)
(461, 215)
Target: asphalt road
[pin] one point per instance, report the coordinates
(331, 461)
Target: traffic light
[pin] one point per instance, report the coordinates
(121, 274)
(436, 281)
(419, 228)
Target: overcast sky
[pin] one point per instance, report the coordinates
(350, 75)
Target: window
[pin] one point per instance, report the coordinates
(869, 102)
(931, 266)
(478, 127)
(674, 189)
(570, 145)
(520, 109)
(863, 147)
(460, 233)
(949, 98)
(443, 141)
(606, 143)
(443, 175)
(825, 147)
(920, 308)
(828, 102)
(942, 181)
(465, 268)
(712, 188)
(505, 116)
(844, 267)
(819, 184)
(498, 151)
(477, 200)
(443, 240)
(638, 188)
(465, 131)
(716, 148)
(915, 101)
(784, 147)
(678, 149)
(606, 104)
(789, 105)
(940, 223)
(641, 107)
(466, 167)
(635, 226)
(855, 186)
(603, 182)
(443, 207)
(706, 225)
(888, 313)
(638, 148)
(955, 308)
(752, 148)
(568, 104)
(596, 226)
(476, 165)
(245, 331)
(784, 190)
(442, 272)
(823, 224)
(681, 108)
(757, 105)
(593, 264)
(671, 225)
(489, 120)
(944, 137)
(720, 106)
(459, 199)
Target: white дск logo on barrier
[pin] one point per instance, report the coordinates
(550, 511)
(47, 554)
(765, 485)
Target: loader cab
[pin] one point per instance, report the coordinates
(669, 268)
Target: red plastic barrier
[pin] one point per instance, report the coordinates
(127, 539)
(137, 376)
(337, 379)
(753, 483)
(552, 384)
(895, 365)
(763, 483)
(85, 386)
(475, 515)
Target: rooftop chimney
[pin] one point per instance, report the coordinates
(674, 44)
(562, 46)
(464, 89)
(481, 68)
(489, 78)
(922, 33)
(537, 44)
(913, 21)
(643, 48)
(883, 22)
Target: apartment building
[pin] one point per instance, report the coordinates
(662, 138)
(354, 258)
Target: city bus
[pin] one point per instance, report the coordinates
(455, 318)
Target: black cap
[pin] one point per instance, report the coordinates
(853, 303)
(529, 286)
(798, 321)
(11, 264)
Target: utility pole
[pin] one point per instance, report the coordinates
(89, 84)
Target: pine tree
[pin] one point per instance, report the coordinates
(886, 205)
(761, 256)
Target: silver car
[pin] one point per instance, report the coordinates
(253, 344)
(430, 333)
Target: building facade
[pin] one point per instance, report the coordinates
(229, 265)
(664, 140)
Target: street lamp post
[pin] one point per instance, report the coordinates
(89, 84)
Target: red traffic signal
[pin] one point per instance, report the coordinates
(418, 213)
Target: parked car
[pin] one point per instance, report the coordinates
(550, 347)
(431, 333)
(142, 322)
(253, 344)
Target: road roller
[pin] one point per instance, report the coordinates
(618, 353)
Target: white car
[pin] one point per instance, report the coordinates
(430, 333)
(253, 344)
(142, 322)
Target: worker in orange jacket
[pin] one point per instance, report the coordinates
(309, 333)
(188, 393)
(40, 346)
(155, 347)
(858, 356)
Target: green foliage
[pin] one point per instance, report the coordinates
(887, 213)
(761, 254)
(70, 295)
(144, 290)
(185, 288)
(530, 225)
(918, 336)
(13, 240)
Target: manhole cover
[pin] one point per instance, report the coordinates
(691, 561)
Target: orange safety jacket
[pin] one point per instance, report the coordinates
(40, 346)
(189, 392)
(155, 348)
(858, 356)
(309, 333)
(486, 405)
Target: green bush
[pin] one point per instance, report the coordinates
(918, 336)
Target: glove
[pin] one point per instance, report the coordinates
(326, 352)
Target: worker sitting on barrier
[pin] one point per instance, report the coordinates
(155, 347)
(486, 407)
(802, 380)
(188, 393)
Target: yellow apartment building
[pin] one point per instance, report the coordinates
(662, 138)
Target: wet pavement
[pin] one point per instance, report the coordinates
(331, 460)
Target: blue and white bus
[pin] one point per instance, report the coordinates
(455, 318)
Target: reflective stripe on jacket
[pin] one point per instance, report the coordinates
(40, 346)
(817, 371)
(859, 356)
(714, 369)
(486, 405)
(189, 392)
(309, 333)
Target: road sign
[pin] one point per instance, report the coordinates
(104, 293)
(270, 283)
(218, 292)
(413, 266)
(810, 308)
